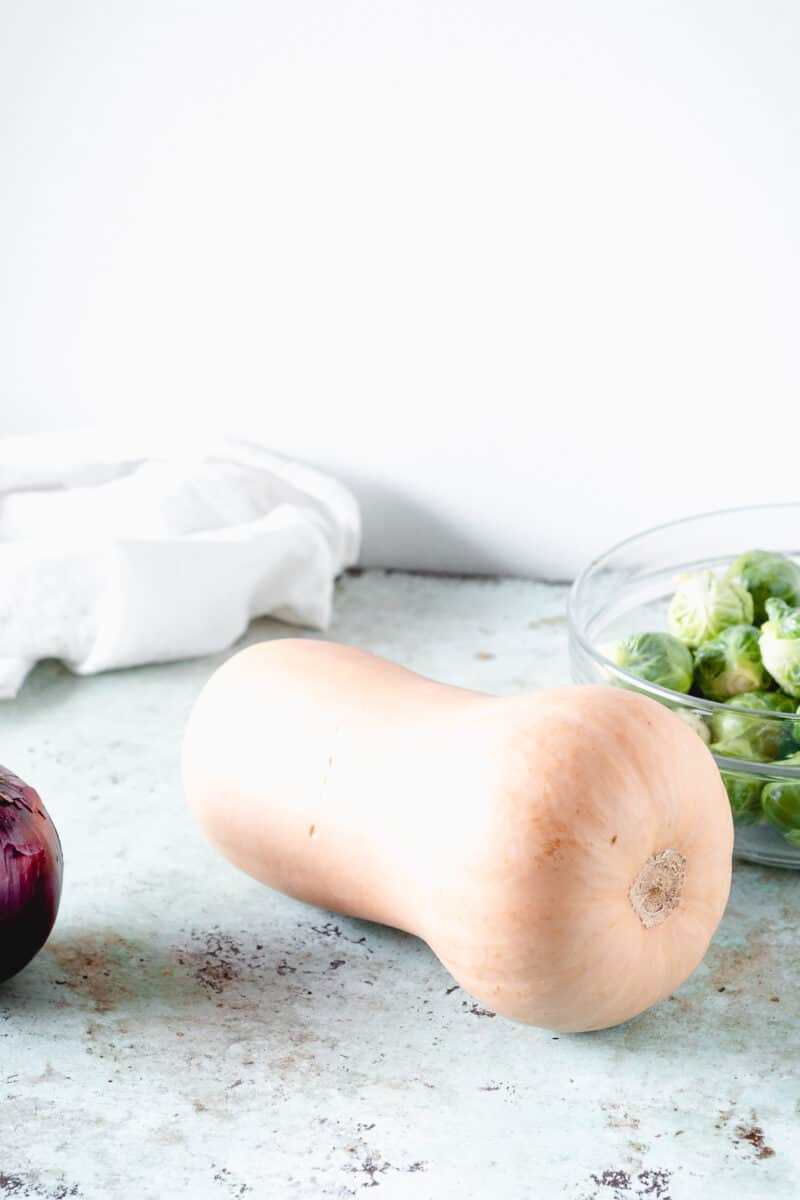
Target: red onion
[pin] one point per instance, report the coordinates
(30, 874)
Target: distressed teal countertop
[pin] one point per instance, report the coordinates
(187, 1032)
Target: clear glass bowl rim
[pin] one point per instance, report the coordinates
(698, 703)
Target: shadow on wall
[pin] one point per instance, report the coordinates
(421, 539)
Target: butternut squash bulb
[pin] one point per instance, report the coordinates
(565, 853)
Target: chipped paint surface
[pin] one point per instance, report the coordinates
(187, 1032)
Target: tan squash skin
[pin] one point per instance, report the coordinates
(505, 831)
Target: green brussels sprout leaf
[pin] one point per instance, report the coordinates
(789, 740)
(744, 793)
(766, 574)
(780, 801)
(655, 657)
(730, 664)
(704, 605)
(695, 721)
(780, 645)
(746, 734)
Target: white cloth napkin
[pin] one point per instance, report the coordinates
(122, 550)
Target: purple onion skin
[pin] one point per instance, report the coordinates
(31, 867)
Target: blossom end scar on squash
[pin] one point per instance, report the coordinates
(656, 890)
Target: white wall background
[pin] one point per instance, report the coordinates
(525, 274)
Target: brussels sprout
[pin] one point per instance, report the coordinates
(780, 801)
(730, 664)
(655, 657)
(780, 645)
(789, 741)
(695, 722)
(744, 793)
(704, 605)
(746, 734)
(766, 574)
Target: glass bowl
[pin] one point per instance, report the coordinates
(628, 589)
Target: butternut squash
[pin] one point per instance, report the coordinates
(565, 853)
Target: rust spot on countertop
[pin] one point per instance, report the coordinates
(287, 1063)
(754, 1134)
(737, 967)
(618, 1118)
(96, 966)
(750, 1132)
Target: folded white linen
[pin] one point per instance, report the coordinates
(117, 550)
